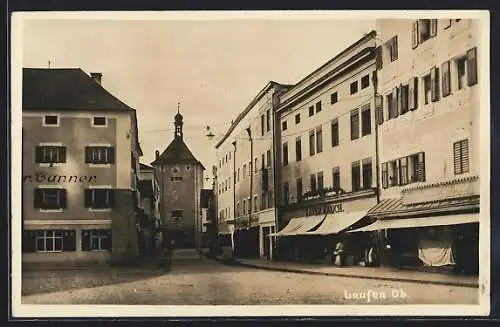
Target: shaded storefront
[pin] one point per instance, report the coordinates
(434, 226)
(312, 230)
(246, 237)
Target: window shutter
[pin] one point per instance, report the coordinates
(69, 241)
(433, 27)
(108, 241)
(37, 198)
(378, 57)
(88, 154)
(400, 100)
(62, 198)
(384, 175)
(395, 103)
(28, 242)
(86, 240)
(38, 154)
(414, 35)
(465, 155)
(62, 154)
(395, 48)
(472, 66)
(456, 158)
(379, 109)
(111, 155)
(87, 198)
(421, 167)
(111, 198)
(445, 68)
(434, 84)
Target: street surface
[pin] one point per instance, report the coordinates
(203, 281)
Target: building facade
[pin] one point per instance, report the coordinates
(245, 176)
(80, 164)
(181, 180)
(428, 111)
(149, 188)
(208, 217)
(326, 153)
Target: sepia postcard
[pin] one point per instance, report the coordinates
(236, 164)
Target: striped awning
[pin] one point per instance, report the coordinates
(335, 223)
(420, 222)
(299, 226)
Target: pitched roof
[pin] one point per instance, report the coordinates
(177, 152)
(144, 167)
(65, 89)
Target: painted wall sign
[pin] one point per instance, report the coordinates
(324, 209)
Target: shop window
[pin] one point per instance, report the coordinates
(96, 240)
(49, 198)
(50, 154)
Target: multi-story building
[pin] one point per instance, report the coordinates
(326, 151)
(245, 176)
(80, 159)
(429, 140)
(208, 217)
(181, 181)
(149, 188)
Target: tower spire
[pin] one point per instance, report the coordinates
(178, 123)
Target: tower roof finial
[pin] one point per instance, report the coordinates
(178, 107)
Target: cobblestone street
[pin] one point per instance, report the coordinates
(198, 282)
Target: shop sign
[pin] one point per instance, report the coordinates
(324, 209)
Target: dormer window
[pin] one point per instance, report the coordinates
(99, 121)
(51, 120)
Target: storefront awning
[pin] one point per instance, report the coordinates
(420, 222)
(335, 223)
(299, 226)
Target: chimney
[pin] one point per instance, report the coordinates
(96, 77)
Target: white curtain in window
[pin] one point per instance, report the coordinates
(435, 246)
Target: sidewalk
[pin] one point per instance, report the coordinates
(380, 273)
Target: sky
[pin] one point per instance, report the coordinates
(214, 68)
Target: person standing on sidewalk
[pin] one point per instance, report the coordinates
(339, 253)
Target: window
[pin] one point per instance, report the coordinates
(334, 98)
(367, 174)
(285, 154)
(354, 87)
(354, 124)
(98, 198)
(51, 120)
(229, 183)
(50, 154)
(99, 121)
(96, 240)
(422, 30)
(298, 183)
(445, 75)
(365, 81)
(460, 73)
(49, 241)
(336, 178)
(313, 183)
(319, 139)
(255, 201)
(286, 192)
(417, 167)
(403, 99)
(268, 120)
(262, 122)
(297, 119)
(238, 174)
(434, 84)
(461, 157)
(311, 111)
(318, 107)
(312, 146)
(99, 155)
(335, 132)
(379, 63)
(320, 181)
(366, 120)
(244, 206)
(237, 209)
(392, 48)
(268, 163)
(244, 171)
(392, 104)
(427, 89)
(356, 176)
(413, 93)
(283, 126)
(298, 149)
(393, 173)
(385, 176)
(472, 66)
(403, 171)
(263, 161)
(49, 198)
